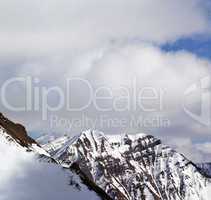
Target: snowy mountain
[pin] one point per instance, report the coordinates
(25, 174)
(133, 167)
(16, 135)
(95, 166)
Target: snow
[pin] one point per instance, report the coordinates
(39, 150)
(119, 138)
(54, 145)
(23, 177)
(168, 173)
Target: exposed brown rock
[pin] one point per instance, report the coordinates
(16, 131)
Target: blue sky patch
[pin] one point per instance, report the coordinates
(201, 46)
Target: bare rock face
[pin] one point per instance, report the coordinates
(205, 169)
(16, 131)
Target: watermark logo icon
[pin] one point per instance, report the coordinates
(204, 117)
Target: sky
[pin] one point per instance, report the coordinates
(199, 46)
(133, 66)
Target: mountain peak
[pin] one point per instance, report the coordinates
(132, 166)
(16, 131)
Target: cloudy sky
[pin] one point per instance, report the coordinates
(159, 48)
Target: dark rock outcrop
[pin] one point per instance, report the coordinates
(16, 131)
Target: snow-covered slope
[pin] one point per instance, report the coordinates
(134, 167)
(15, 135)
(25, 174)
(24, 177)
(56, 144)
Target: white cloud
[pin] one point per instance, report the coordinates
(185, 146)
(107, 42)
(204, 147)
(23, 178)
(44, 27)
(117, 65)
